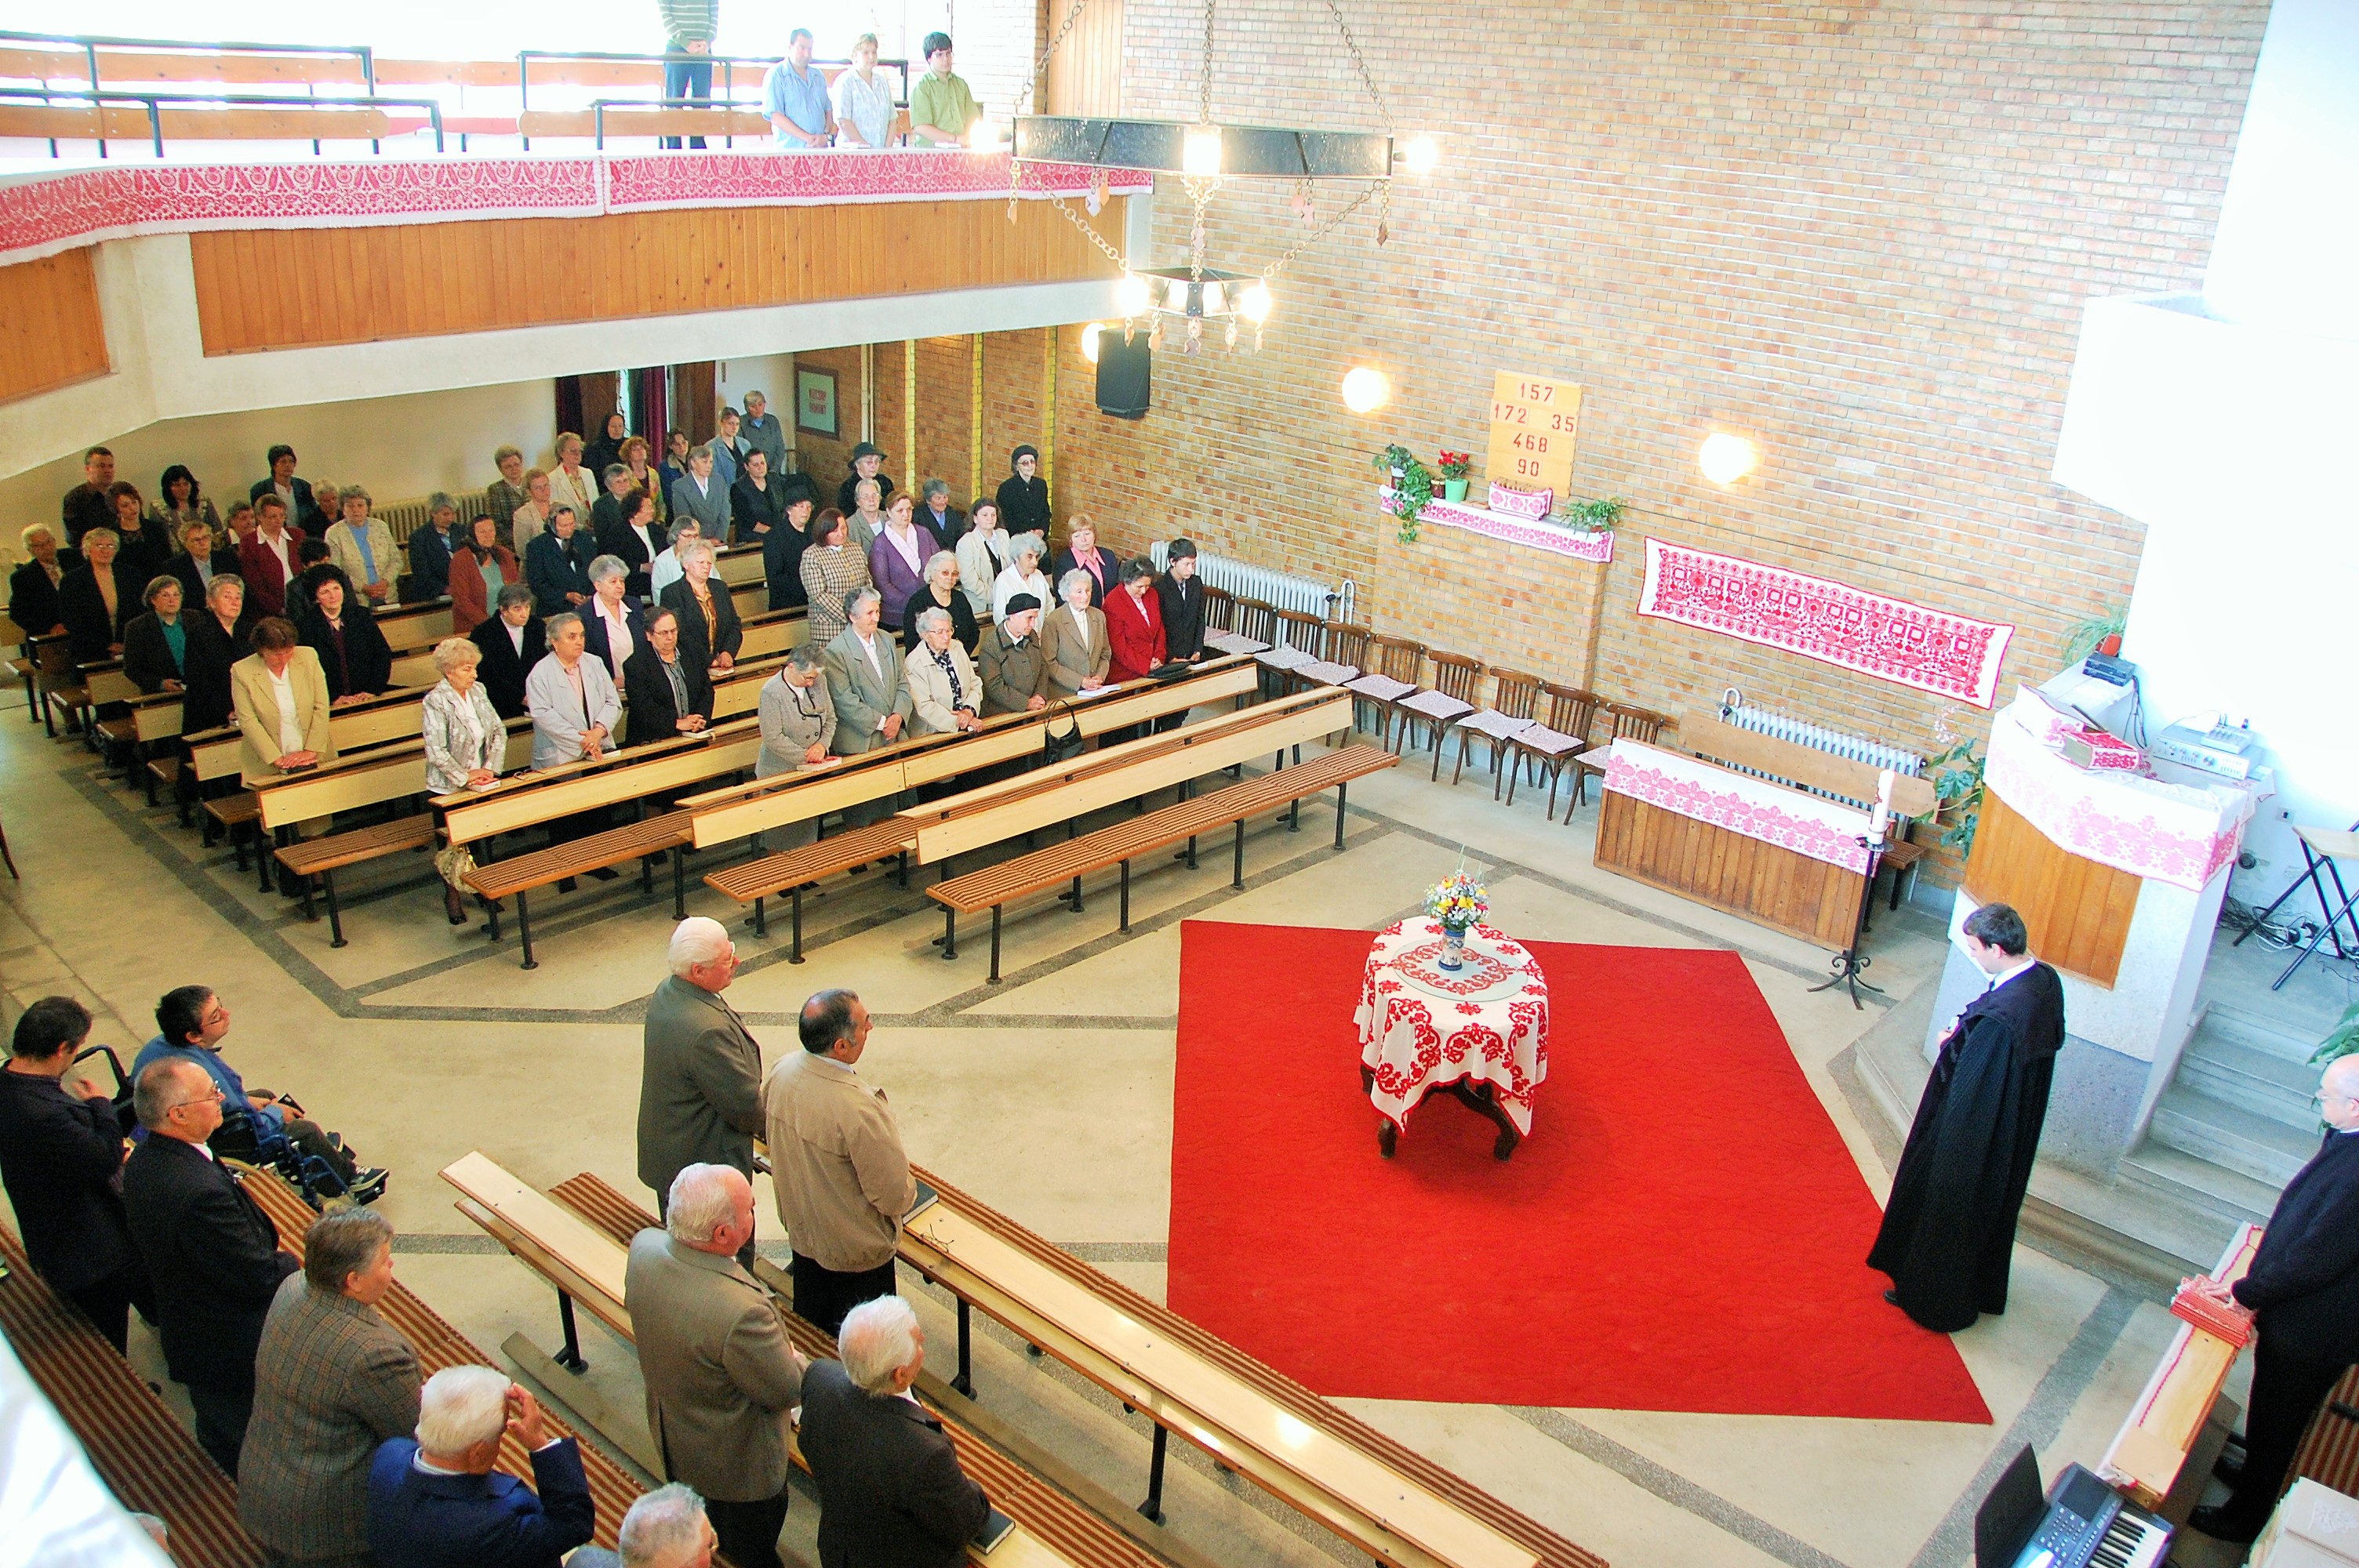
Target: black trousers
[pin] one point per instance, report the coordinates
(748, 1531)
(823, 1296)
(222, 1408)
(107, 1302)
(2286, 1392)
(308, 1137)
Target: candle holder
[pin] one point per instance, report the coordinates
(1851, 962)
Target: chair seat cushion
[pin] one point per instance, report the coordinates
(1235, 643)
(1384, 688)
(1436, 704)
(1285, 659)
(1547, 742)
(1492, 723)
(1327, 673)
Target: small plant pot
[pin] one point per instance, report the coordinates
(1454, 489)
(2112, 647)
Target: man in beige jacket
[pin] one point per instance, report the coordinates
(843, 1181)
(721, 1376)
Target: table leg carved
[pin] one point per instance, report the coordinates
(1481, 1099)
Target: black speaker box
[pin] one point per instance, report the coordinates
(1126, 374)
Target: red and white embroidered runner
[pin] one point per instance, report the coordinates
(1891, 639)
(1806, 824)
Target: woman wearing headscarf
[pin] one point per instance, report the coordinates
(479, 568)
(1024, 494)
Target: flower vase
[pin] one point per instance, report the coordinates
(1453, 949)
(1454, 489)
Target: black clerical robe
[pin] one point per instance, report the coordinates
(1948, 1227)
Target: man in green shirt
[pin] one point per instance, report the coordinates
(941, 108)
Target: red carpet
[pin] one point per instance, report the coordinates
(1684, 1229)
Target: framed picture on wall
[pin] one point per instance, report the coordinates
(815, 408)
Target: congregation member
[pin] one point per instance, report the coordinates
(896, 561)
(642, 477)
(33, 586)
(156, 643)
(572, 698)
(1948, 1237)
(266, 560)
(1134, 623)
(279, 697)
(981, 553)
(435, 1499)
(61, 1160)
(613, 625)
(352, 651)
(842, 1178)
(570, 483)
(505, 493)
(1014, 673)
(945, 692)
(867, 463)
(218, 638)
(334, 1381)
(191, 1021)
(728, 449)
(674, 468)
(863, 102)
(941, 106)
(668, 568)
(761, 432)
(782, 552)
(1073, 639)
(87, 504)
(557, 565)
(757, 503)
(96, 599)
(204, 554)
(666, 695)
(867, 515)
(430, 548)
(143, 546)
(531, 515)
(640, 539)
(240, 523)
(482, 571)
(795, 100)
(890, 1489)
(180, 501)
(362, 547)
(513, 642)
(701, 494)
(865, 682)
(466, 740)
(313, 568)
(210, 1253)
(1022, 574)
(1083, 553)
(327, 506)
(295, 503)
(941, 593)
(832, 572)
(699, 1070)
(1024, 494)
(690, 27)
(1182, 599)
(797, 719)
(721, 1376)
(2303, 1292)
(709, 631)
(615, 482)
(607, 449)
(667, 1527)
(945, 522)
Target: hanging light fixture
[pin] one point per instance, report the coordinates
(1089, 335)
(1365, 390)
(1725, 458)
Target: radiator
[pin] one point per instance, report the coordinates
(401, 517)
(1284, 590)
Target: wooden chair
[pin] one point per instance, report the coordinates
(1513, 695)
(61, 685)
(1394, 665)
(1456, 679)
(1625, 722)
(1220, 609)
(1254, 618)
(1342, 658)
(1544, 749)
(1298, 637)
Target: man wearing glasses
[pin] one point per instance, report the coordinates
(701, 1077)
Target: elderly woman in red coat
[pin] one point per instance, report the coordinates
(1135, 623)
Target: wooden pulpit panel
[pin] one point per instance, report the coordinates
(1724, 868)
(2077, 911)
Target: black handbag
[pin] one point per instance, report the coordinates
(1064, 748)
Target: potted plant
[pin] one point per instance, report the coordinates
(1594, 516)
(1453, 466)
(1412, 487)
(1957, 793)
(2096, 634)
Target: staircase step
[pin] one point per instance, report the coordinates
(2176, 1175)
(2260, 1081)
(2224, 1021)
(2249, 1144)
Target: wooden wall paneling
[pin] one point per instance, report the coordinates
(2078, 912)
(52, 333)
(1727, 871)
(1085, 73)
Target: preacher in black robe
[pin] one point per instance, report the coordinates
(1948, 1227)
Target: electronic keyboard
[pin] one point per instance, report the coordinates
(2087, 1525)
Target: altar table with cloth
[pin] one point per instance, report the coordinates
(1480, 1033)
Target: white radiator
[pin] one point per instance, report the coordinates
(401, 517)
(1284, 590)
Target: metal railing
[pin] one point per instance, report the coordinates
(90, 45)
(727, 99)
(155, 102)
(599, 106)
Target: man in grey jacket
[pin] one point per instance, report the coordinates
(721, 1376)
(700, 1074)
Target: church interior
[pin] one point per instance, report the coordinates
(1845, 490)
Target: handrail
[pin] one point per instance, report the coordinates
(90, 43)
(726, 62)
(155, 102)
(599, 106)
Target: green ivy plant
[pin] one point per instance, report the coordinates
(1412, 486)
(2342, 1040)
(2082, 639)
(1956, 794)
(1594, 516)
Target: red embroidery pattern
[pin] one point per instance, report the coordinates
(2177, 841)
(1499, 1039)
(1735, 810)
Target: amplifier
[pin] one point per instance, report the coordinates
(2223, 748)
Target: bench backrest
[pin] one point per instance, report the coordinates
(367, 778)
(1707, 735)
(392, 717)
(633, 776)
(416, 626)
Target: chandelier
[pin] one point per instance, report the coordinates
(1193, 296)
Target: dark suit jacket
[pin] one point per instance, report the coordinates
(84, 509)
(555, 567)
(782, 567)
(208, 701)
(33, 598)
(502, 670)
(192, 581)
(749, 507)
(695, 645)
(620, 542)
(890, 1489)
(1184, 616)
(1107, 569)
(430, 564)
(601, 647)
(419, 1521)
(646, 694)
(90, 630)
(700, 1085)
(950, 527)
(146, 657)
(61, 1159)
(212, 1254)
(367, 664)
(1024, 504)
(306, 511)
(2304, 1281)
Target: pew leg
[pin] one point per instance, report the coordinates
(1077, 896)
(680, 882)
(904, 873)
(795, 951)
(646, 876)
(1125, 897)
(335, 916)
(1153, 1506)
(1294, 816)
(492, 923)
(964, 1381)
(310, 913)
(570, 1357)
(1340, 788)
(1237, 877)
(994, 944)
(1192, 851)
(761, 922)
(524, 933)
(950, 932)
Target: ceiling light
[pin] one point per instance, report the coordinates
(1365, 390)
(1725, 458)
(1133, 294)
(1256, 303)
(1199, 153)
(1090, 341)
(1423, 155)
(982, 133)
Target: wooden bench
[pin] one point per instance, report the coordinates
(323, 858)
(641, 841)
(138, 1448)
(59, 681)
(231, 813)
(2172, 1418)
(791, 871)
(994, 887)
(1340, 1472)
(22, 666)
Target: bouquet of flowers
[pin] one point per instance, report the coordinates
(1454, 465)
(1458, 901)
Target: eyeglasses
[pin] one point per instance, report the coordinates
(213, 1098)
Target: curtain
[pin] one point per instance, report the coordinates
(648, 394)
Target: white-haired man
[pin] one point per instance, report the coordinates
(720, 1373)
(890, 1489)
(700, 1074)
(434, 1502)
(667, 1528)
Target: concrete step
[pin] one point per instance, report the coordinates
(2251, 1145)
(2237, 1026)
(2180, 1177)
(2261, 1082)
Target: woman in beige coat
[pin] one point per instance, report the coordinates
(279, 697)
(1073, 638)
(944, 689)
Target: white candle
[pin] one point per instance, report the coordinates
(1882, 818)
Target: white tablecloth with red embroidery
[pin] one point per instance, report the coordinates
(1423, 1028)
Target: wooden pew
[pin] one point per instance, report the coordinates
(1342, 1474)
(134, 1443)
(58, 680)
(20, 663)
(300, 121)
(773, 631)
(739, 564)
(409, 628)
(584, 1260)
(2173, 1415)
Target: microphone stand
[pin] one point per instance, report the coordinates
(1851, 962)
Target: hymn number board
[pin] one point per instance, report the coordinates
(1532, 428)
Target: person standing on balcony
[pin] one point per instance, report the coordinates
(794, 96)
(689, 29)
(863, 100)
(941, 106)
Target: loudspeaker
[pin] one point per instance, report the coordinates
(1126, 374)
